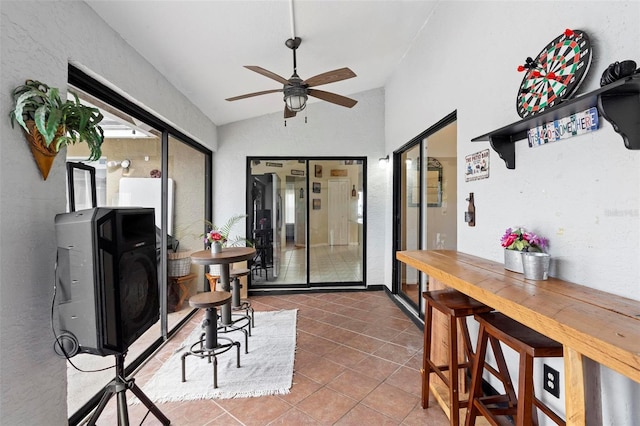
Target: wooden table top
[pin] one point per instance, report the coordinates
(228, 255)
(602, 326)
(209, 299)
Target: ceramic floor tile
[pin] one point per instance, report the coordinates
(375, 367)
(345, 355)
(407, 379)
(255, 411)
(295, 417)
(363, 415)
(353, 384)
(326, 405)
(395, 353)
(337, 379)
(323, 371)
(391, 401)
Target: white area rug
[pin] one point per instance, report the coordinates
(266, 370)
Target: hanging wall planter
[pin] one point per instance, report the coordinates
(43, 154)
(50, 123)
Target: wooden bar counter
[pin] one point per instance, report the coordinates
(588, 322)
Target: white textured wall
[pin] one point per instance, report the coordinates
(38, 39)
(330, 131)
(582, 193)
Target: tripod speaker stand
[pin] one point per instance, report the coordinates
(119, 386)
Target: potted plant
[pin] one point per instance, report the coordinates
(51, 123)
(217, 237)
(518, 240)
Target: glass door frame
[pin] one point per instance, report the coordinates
(308, 190)
(398, 169)
(397, 211)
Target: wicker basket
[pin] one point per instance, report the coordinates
(179, 263)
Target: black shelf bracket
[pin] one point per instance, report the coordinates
(618, 103)
(505, 149)
(623, 112)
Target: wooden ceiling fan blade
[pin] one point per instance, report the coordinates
(267, 73)
(250, 95)
(332, 97)
(288, 113)
(329, 77)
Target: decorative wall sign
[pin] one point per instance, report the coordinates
(297, 172)
(476, 166)
(318, 170)
(555, 73)
(564, 128)
(273, 164)
(339, 172)
(316, 203)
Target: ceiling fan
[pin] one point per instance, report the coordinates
(296, 90)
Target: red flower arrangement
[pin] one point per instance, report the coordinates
(522, 240)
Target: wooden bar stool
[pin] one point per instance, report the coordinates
(456, 306)
(495, 328)
(213, 281)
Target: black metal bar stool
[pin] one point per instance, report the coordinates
(457, 307)
(209, 345)
(242, 323)
(238, 304)
(495, 328)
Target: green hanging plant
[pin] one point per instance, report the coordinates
(60, 123)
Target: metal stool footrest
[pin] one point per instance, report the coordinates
(245, 306)
(238, 324)
(209, 353)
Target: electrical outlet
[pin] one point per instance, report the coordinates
(551, 381)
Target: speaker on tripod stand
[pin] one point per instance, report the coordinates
(108, 293)
(107, 290)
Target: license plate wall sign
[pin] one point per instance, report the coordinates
(564, 128)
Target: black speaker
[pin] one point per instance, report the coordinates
(107, 279)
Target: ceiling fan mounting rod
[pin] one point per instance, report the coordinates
(293, 24)
(293, 44)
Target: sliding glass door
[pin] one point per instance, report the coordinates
(425, 193)
(410, 227)
(335, 222)
(186, 184)
(306, 217)
(144, 163)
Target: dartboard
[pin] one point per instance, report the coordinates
(555, 73)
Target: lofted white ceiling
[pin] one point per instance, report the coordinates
(201, 46)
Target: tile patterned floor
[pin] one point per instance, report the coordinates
(357, 362)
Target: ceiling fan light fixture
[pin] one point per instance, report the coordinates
(295, 98)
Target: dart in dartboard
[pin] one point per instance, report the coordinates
(555, 73)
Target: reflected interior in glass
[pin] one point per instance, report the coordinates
(307, 220)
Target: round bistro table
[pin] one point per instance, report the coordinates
(228, 256)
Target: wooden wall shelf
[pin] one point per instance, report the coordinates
(618, 103)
